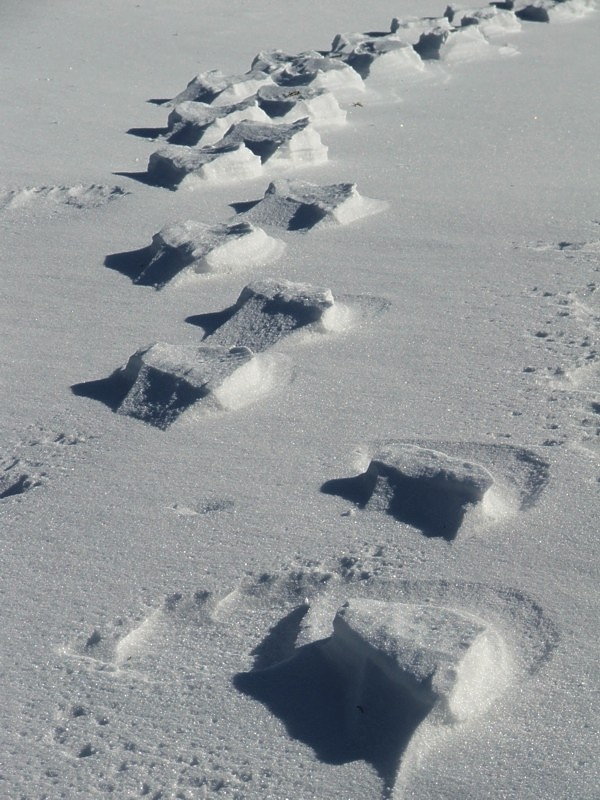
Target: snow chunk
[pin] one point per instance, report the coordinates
(441, 657)
(322, 72)
(79, 196)
(421, 487)
(221, 163)
(491, 20)
(270, 61)
(287, 104)
(554, 10)
(161, 381)
(219, 89)
(280, 145)
(268, 310)
(298, 205)
(384, 57)
(190, 121)
(198, 247)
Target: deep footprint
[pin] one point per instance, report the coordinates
(161, 381)
(362, 692)
(420, 487)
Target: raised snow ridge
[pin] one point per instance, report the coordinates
(197, 247)
(453, 44)
(421, 487)
(78, 196)
(299, 205)
(240, 154)
(384, 57)
(266, 311)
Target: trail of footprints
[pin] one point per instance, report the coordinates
(354, 664)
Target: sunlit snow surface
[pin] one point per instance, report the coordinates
(339, 539)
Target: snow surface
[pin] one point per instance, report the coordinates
(206, 607)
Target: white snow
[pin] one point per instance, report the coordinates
(355, 556)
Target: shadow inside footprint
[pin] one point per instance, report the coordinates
(419, 487)
(310, 693)
(130, 263)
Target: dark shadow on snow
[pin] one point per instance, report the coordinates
(111, 391)
(129, 262)
(143, 177)
(432, 506)
(246, 205)
(148, 133)
(308, 692)
(211, 321)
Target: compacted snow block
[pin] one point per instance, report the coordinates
(420, 487)
(298, 205)
(384, 57)
(491, 20)
(239, 154)
(279, 144)
(196, 247)
(191, 122)
(410, 29)
(321, 72)
(439, 658)
(268, 310)
(219, 89)
(161, 381)
(174, 165)
(460, 44)
(288, 104)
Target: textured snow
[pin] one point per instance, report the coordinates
(355, 557)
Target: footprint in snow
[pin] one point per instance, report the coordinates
(436, 487)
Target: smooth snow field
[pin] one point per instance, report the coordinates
(300, 430)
